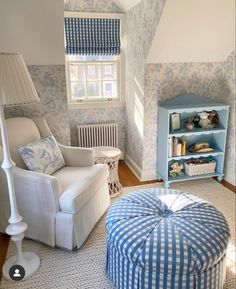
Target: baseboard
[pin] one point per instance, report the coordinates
(133, 166)
(149, 175)
(231, 180)
(143, 176)
(229, 186)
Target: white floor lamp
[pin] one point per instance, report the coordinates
(16, 88)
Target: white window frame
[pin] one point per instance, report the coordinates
(120, 65)
(101, 80)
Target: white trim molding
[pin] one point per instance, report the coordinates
(142, 175)
(105, 104)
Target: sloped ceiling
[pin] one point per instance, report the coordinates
(126, 4)
(194, 31)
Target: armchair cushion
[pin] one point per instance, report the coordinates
(79, 184)
(42, 156)
(77, 156)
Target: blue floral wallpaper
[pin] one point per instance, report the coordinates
(167, 80)
(141, 23)
(50, 84)
(230, 93)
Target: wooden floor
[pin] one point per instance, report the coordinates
(4, 241)
(127, 179)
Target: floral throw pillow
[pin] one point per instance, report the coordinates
(42, 156)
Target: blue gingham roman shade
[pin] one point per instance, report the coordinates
(92, 36)
(166, 239)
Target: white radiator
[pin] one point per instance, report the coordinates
(102, 134)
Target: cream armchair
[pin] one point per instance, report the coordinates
(60, 209)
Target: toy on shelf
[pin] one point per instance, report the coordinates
(208, 119)
(204, 119)
(200, 147)
(176, 170)
(192, 123)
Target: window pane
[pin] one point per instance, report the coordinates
(77, 72)
(93, 90)
(77, 90)
(110, 89)
(93, 80)
(93, 71)
(109, 71)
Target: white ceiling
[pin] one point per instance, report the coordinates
(126, 4)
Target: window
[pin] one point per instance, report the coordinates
(92, 78)
(92, 66)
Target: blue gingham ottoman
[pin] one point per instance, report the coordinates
(165, 239)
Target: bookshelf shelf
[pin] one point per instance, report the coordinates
(187, 106)
(197, 131)
(186, 177)
(196, 156)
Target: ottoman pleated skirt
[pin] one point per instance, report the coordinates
(127, 275)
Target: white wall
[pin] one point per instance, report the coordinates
(194, 31)
(34, 28)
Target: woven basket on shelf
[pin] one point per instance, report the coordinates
(200, 169)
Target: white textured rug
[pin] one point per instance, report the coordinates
(85, 268)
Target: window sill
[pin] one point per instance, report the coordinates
(90, 105)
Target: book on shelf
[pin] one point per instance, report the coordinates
(183, 148)
(176, 147)
(170, 147)
(179, 149)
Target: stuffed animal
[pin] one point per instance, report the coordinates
(176, 170)
(208, 120)
(213, 118)
(204, 121)
(192, 122)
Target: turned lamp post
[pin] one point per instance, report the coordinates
(16, 88)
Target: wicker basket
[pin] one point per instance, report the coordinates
(200, 169)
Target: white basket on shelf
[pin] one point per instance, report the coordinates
(200, 169)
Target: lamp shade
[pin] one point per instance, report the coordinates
(16, 86)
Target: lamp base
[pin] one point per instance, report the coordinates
(30, 262)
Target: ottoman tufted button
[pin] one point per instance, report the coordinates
(160, 238)
(166, 213)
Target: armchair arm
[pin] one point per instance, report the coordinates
(76, 156)
(37, 190)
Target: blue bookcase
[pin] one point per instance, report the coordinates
(188, 106)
